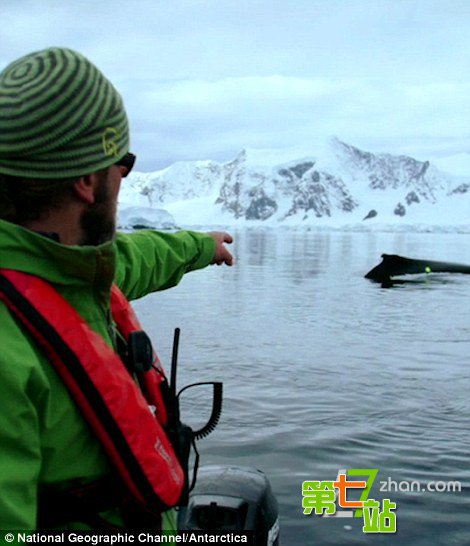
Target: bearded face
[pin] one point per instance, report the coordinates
(98, 221)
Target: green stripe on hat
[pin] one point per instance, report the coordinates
(60, 117)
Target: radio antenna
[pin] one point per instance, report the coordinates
(174, 362)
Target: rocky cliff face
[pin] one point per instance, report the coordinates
(415, 180)
(295, 189)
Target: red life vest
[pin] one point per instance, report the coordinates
(131, 433)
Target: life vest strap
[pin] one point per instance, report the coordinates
(86, 503)
(79, 505)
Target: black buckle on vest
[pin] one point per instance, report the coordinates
(139, 352)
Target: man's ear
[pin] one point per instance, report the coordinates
(84, 188)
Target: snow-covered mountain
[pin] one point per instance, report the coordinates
(339, 184)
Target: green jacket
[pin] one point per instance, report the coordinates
(43, 437)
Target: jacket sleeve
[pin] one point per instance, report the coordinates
(148, 261)
(20, 453)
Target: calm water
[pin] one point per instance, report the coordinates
(324, 370)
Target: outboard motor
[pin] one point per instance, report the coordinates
(232, 498)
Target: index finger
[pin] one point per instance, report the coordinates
(227, 237)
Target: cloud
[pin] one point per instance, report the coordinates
(218, 118)
(205, 78)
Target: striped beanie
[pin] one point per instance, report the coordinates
(59, 117)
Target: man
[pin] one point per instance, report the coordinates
(64, 149)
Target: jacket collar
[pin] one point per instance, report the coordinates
(30, 252)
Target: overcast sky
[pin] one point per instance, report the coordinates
(202, 79)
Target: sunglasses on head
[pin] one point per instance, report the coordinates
(127, 162)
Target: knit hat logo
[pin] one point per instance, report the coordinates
(60, 117)
(110, 142)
